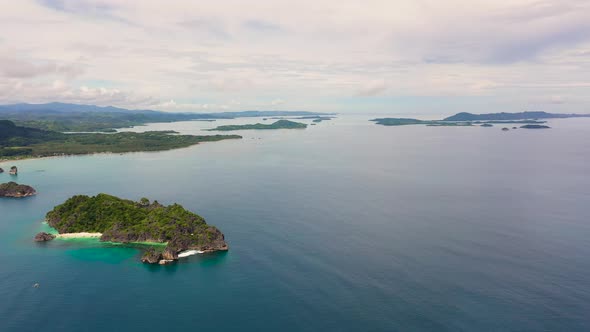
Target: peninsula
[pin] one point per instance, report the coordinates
(15, 190)
(21, 142)
(280, 124)
(64, 117)
(125, 221)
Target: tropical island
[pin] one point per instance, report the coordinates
(280, 124)
(465, 116)
(315, 118)
(533, 126)
(463, 119)
(15, 190)
(21, 142)
(124, 221)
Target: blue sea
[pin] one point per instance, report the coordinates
(343, 226)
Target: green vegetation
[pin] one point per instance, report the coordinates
(281, 124)
(22, 142)
(13, 189)
(126, 221)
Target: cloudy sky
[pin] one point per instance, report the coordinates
(390, 56)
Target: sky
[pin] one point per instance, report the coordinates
(369, 56)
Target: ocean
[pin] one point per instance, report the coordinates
(343, 226)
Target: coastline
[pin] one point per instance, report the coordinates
(81, 235)
(21, 158)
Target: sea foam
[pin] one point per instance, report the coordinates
(189, 253)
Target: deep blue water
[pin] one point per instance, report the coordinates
(344, 226)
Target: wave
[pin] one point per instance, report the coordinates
(189, 253)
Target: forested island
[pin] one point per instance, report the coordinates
(445, 123)
(64, 117)
(532, 126)
(529, 119)
(22, 142)
(15, 190)
(125, 221)
(464, 116)
(280, 124)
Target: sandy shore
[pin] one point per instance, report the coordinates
(78, 235)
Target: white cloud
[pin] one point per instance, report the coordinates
(317, 55)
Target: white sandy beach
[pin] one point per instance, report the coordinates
(78, 235)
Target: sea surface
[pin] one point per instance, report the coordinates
(343, 226)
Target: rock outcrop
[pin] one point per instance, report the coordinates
(43, 237)
(170, 254)
(1, 170)
(13, 170)
(13, 189)
(151, 256)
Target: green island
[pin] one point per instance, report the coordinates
(280, 124)
(125, 221)
(445, 123)
(15, 190)
(533, 126)
(465, 116)
(21, 142)
(315, 118)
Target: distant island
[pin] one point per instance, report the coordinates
(464, 116)
(15, 190)
(21, 142)
(119, 220)
(484, 120)
(406, 121)
(280, 124)
(532, 126)
(63, 117)
(315, 118)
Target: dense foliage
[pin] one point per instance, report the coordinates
(280, 124)
(121, 220)
(18, 141)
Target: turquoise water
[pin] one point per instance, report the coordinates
(344, 226)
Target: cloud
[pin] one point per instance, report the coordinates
(12, 67)
(373, 89)
(261, 25)
(316, 55)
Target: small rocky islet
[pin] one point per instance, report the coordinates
(125, 221)
(15, 190)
